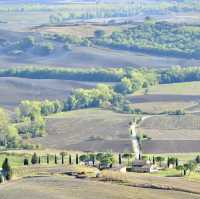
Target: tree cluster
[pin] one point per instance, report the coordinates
(9, 137)
(30, 116)
(101, 96)
(161, 38)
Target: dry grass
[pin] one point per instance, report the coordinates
(57, 187)
(82, 30)
(152, 181)
(185, 88)
(38, 170)
(159, 107)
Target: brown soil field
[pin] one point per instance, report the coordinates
(172, 122)
(13, 90)
(102, 130)
(171, 134)
(56, 187)
(170, 146)
(163, 98)
(178, 134)
(85, 57)
(88, 130)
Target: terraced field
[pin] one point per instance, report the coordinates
(88, 130)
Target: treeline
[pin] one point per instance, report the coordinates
(129, 80)
(161, 38)
(93, 74)
(179, 74)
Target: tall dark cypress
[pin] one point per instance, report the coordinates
(47, 158)
(93, 160)
(62, 158)
(120, 159)
(70, 159)
(168, 162)
(77, 158)
(177, 162)
(56, 161)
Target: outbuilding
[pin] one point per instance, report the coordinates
(143, 166)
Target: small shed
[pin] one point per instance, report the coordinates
(143, 166)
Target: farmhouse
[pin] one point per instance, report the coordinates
(143, 166)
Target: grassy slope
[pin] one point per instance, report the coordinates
(185, 88)
(89, 129)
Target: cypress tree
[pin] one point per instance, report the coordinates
(47, 158)
(56, 161)
(77, 158)
(153, 160)
(177, 162)
(62, 155)
(70, 159)
(93, 160)
(168, 163)
(7, 169)
(34, 159)
(120, 159)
